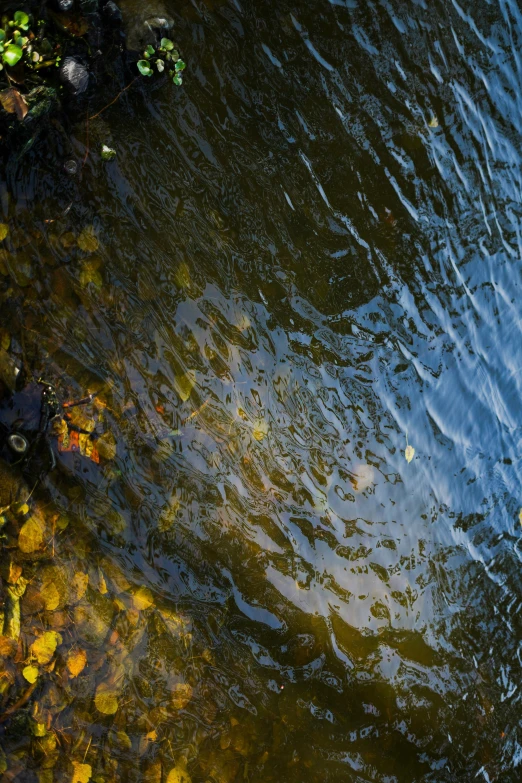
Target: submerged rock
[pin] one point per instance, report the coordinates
(74, 75)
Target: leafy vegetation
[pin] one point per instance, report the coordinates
(20, 42)
(164, 57)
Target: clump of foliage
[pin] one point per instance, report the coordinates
(165, 56)
(20, 42)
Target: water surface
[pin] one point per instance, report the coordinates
(309, 258)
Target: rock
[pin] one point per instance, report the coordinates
(8, 370)
(74, 75)
(70, 167)
(144, 23)
(63, 6)
(112, 12)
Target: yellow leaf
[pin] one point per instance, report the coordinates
(142, 598)
(31, 535)
(181, 695)
(4, 230)
(76, 662)
(15, 572)
(79, 584)
(45, 646)
(102, 583)
(106, 445)
(106, 699)
(152, 736)
(88, 240)
(409, 453)
(81, 772)
(90, 274)
(520, 516)
(179, 774)
(123, 739)
(30, 673)
(182, 275)
(434, 123)
(184, 384)
(260, 430)
(50, 595)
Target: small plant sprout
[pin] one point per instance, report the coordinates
(107, 153)
(164, 55)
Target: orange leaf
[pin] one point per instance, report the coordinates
(76, 662)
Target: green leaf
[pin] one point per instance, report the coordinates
(144, 68)
(178, 81)
(175, 55)
(166, 44)
(180, 65)
(12, 54)
(107, 153)
(160, 65)
(150, 50)
(21, 20)
(2, 35)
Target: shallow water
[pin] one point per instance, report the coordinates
(309, 258)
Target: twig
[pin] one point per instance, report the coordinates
(20, 703)
(86, 141)
(113, 101)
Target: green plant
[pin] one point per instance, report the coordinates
(19, 43)
(165, 56)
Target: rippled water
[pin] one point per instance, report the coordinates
(309, 258)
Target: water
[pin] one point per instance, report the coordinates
(309, 258)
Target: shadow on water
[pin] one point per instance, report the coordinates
(303, 261)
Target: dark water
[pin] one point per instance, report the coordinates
(314, 247)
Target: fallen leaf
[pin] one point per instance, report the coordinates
(182, 275)
(75, 25)
(30, 673)
(76, 662)
(184, 384)
(409, 453)
(106, 699)
(260, 431)
(81, 772)
(520, 516)
(13, 102)
(45, 646)
(79, 585)
(15, 572)
(179, 774)
(31, 535)
(102, 584)
(89, 273)
(50, 595)
(152, 736)
(142, 598)
(434, 123)
(123, 740)
(152, 773)
(4, 230)
(88, 241)
(181, 695)
(106, 445)
(7, 646)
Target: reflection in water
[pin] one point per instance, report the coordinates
(308, 257)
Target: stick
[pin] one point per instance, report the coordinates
(113, 101)
(20, 703)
